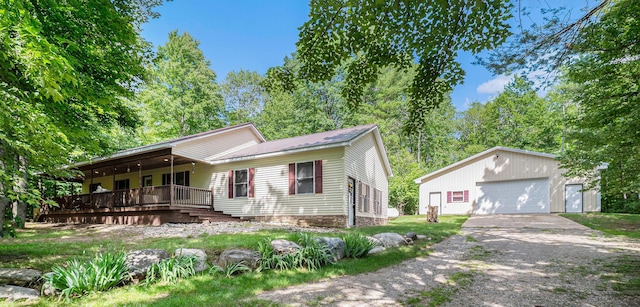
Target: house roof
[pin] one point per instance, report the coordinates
(322, 140)
(491, 151)
(171, 143)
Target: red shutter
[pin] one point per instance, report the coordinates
(318, 176)
(466, 196)
(292, 178)
(230, 184)
(449, 196)
(252, 172)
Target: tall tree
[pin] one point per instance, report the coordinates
(366, 36)
(181, 96)
(606, 128)
(63, 71)
(243, 96)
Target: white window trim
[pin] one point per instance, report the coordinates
(313, 178)
(235, 176)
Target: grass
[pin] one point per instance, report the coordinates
(211, 289)
(619, 224)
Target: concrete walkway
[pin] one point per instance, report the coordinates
(535, 221)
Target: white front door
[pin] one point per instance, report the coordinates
(435, 199)
(573, 198)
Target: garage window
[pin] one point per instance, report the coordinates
(458, 196)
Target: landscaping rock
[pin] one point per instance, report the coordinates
(19, 277)
(12, 293)
(377, 249)
(139, 261)
(200, 255)
(48, 289)
(421, 237)
(375, 241)
(411, 235)
(284, 247)
(249, 258)
(390, 239)
(336, 246)
(392, 213)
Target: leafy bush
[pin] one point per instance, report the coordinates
(231, 269)
(358, 246)
(169, 271)
(81, 276)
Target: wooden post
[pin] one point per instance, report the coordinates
(432, 214)
(171, 183)
(140, 190)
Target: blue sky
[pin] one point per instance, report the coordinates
(255, 35)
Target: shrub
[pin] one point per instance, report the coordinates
(357, 245)
(169, 271)
(80, 276)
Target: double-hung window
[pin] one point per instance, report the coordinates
(304, 178)
(241, 183)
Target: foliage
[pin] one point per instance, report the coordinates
(357, 245)
(605, 127)
(313, 255)
(367, 36)
(181, 96)
(516, 118)
(231, 269)
(171, 270)
(81, 276)
(243, 96)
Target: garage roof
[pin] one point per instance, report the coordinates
(477, 157)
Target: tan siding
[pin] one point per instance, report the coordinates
(208, 148)
(272, 187)
(500, 166)
(363, 162)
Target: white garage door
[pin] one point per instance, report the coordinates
(521, 196)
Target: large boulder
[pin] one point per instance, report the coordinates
(390, 239)
(12, 293)
(139, 261)
(336, 246)
(200, 255)
(375, 241)
(19, 277)
(411, 235)
(284, 247)
(393, 213)
(249, 258)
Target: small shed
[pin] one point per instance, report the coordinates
(505, 180)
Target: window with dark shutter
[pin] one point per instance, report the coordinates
(241, 181)
(292, 178)
(252, 173)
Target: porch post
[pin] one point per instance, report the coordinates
(91, 192)
(171, 183)
(140, 196)
(113, 188)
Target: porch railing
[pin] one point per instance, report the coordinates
(155, 195)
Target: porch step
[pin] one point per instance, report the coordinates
(207, 215)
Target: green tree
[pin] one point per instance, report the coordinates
(63, 73)
(605, 128)
(363, 37)
(181, 96)
(243, 96)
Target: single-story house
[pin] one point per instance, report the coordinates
(505, 181)
(334, 178)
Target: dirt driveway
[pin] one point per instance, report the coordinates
(493, 263)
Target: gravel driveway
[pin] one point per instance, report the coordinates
(487, 266)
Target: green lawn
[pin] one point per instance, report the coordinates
(620, 224)
(43, 249)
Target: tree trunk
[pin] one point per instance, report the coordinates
(4, 201)
(20, 207)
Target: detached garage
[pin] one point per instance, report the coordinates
(505, 181)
